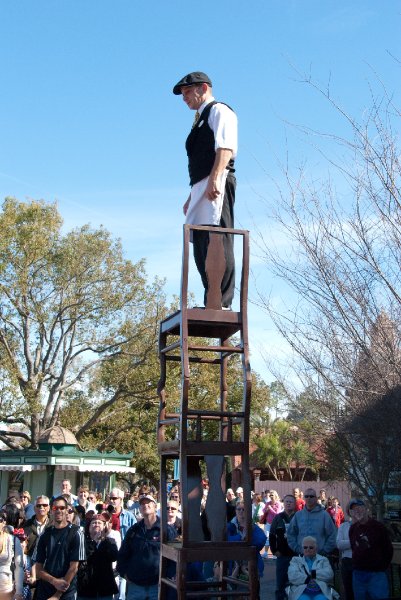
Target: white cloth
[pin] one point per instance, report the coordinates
(343, 541)
(223, 121)
(297, 573)
(7, 583)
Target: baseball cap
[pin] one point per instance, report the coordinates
(356, 502)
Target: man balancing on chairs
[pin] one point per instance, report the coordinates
(211, 148)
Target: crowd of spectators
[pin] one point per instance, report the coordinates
(87, 546)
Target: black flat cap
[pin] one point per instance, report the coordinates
(191, 79)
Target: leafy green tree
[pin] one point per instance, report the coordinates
(282, 447)
(76, 320)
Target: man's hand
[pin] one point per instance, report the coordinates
(186, 206)
(61, 584)
(212, 191)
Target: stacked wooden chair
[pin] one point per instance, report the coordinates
(204, 440)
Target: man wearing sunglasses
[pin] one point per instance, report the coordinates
(121, 520)
(314, 521)
(58, 552)
(35, 526)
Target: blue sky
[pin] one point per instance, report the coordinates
(88, 118)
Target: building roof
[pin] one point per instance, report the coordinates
(58, 435)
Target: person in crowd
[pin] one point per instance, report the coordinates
(35, 526)
(272, 508)
(257, 509)
(335, 511)
(372, 552)
(239, 494)
(66, 491)
(92, 497)
(265, 496)
(83, 498)
(15, 515)
(230, 504)
(299, 501)
(83, 504)
(279, 545)
(58, 552)
(13, 499)
(310, 576)
(133, 504)
(172, 518)
(236, 531)
(322, 499)
(121, 519)
(26, 562)
(27, 505)
(11, 558)
(175, 496)
(96, 577)
(344, 547)
(109, 532)
(76, 516)
(312, 520)
(139, 555)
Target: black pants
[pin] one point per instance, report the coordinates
(201, 243)
(346, 576)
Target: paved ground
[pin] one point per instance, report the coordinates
(268, 582)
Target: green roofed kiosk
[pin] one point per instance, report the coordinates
(59, 457)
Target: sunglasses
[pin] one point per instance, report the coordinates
(174, 497)
(70, 511)
(309, 496)
(171, 508)
(41, 505)
(309, 547)
(24, 497)
(240, 509)
(114, 498)
(56, 508)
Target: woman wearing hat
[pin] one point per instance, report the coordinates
(96, 575)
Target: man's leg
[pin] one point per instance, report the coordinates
(142, 592)
(346, 576)
(282, 564)
(200, 241)
(378, 585)
(360, 580)
(227, 220)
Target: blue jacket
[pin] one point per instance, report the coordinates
(127, 519)
(317, 523)
(258, 539)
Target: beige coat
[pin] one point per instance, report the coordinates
(299, 570)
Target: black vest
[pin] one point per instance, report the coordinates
(200, 148)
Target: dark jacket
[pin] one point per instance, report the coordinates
(139, 555)
(371, 545)
(31, 530)
(278, 534)
(95, 575)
